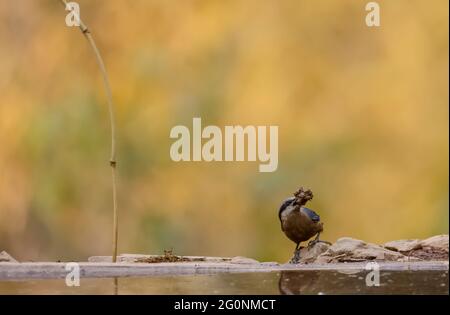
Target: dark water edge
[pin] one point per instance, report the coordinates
(285, 282)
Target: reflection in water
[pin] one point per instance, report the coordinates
(344, 282)
(294, 282)
(261, 283)
(116, 286)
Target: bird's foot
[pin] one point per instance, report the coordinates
(314, 242)
(296, 258)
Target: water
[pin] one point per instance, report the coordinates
(284, 282)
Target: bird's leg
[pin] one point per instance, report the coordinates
(296, 258)
(317, 240)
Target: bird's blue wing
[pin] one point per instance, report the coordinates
(285, 204)
(311, 214)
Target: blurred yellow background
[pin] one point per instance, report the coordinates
(362, 115)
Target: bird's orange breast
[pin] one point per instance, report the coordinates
(298, 227)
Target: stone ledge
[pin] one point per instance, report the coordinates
(346, 254)
(43, 270)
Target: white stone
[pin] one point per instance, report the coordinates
(5, 257)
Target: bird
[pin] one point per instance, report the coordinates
(299, 223)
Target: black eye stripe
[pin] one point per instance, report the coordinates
(285, 204)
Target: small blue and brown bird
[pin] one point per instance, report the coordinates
(298, 222)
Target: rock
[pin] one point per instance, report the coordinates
(5, 257)
(347, 249)
(243, 260)
(323, 259)
(403, 245)
(436, 242)
(433, 248)
(373, 251)
(310, 254)
(346, 245)
(131, 258)
(139, 258)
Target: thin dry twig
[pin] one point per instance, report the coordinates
(113, 163)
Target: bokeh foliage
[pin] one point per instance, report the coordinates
(362, 113)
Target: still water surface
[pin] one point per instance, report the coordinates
(284, 282)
